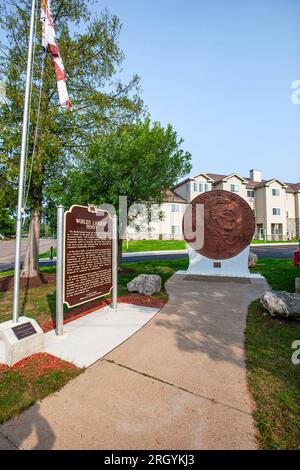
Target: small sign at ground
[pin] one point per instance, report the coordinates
(88, 255)
(24, 330)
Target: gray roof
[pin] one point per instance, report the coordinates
(217, 178)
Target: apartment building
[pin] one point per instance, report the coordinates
(275, 204)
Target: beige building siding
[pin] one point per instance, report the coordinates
(231, 182)
(291, 217)
(276, 223)
(165, 223)
(183, 191)
(275, 204)
(260, 207)
(198, 185)
(297, 210)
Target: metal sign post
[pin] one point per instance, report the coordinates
(84, 270)
(115, 264)
(59, 271)
(20, 208)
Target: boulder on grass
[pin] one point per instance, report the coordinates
(282, 304)
(146, 284)
(252, 260)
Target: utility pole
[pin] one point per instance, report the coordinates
(20, 208)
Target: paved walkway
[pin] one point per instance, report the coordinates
(178, 383)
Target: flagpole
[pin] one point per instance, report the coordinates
(16, 299)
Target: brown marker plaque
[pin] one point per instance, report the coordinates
(24, 330)
(88, 255)
(229, 224)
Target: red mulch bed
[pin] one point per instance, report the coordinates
(7, 283)
(39, 364)
(138, 299)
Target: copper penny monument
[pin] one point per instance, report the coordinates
(229, 224)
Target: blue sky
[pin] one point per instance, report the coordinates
(220, 71)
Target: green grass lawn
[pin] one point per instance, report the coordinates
(274, 381)
(165, 269)
(153, 245)
(142, 245)
(280, 273)
(31, 380)
(47, 254)
(43, 269)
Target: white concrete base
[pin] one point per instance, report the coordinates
(12, 349)
(90, 337)
(253, 276)
(233, 267)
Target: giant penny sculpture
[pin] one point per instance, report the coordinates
(229, 224)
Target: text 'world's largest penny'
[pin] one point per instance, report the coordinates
(88, 255)
(228, 224)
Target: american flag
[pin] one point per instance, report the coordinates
(49, 43)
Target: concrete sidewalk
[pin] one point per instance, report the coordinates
(178, 383)
(91, 336)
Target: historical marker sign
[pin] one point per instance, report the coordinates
(229, 224)
(87, 255)
(24, 330)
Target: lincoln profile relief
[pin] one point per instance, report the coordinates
(229, 224)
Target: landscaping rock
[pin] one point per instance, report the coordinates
(252, 260)
(282, 304)
(146, 284)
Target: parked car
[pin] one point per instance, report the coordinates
(2, 236)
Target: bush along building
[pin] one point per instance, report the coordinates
(275, 205)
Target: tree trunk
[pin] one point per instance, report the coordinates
(120, 248)
(31, 261)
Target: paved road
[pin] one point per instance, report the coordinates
(7, 251)
(262, 252)
(275, 251)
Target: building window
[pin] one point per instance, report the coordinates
(276, 211)
(175, 229)
(250, 193)
(234, 188)
(195, 187)
(254, 212)
(200, 187)
(206, 187)
(175, 208)
(275, 192)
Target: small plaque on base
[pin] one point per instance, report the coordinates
(217, 264)
(24, 330)
(20, 340)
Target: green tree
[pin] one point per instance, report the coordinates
(92, 58)
(140, 162)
